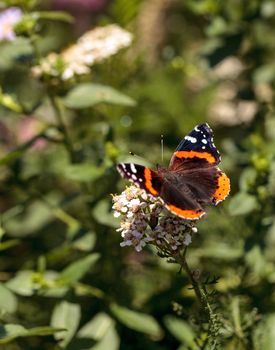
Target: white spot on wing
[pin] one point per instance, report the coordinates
(134, 177)
(204, 141)
(191, 139)
(133, 168)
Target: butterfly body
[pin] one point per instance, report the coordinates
(192, 180)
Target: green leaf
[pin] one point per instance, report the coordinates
(110, 341)
(97, 327)
(137, 321)
(256, 261)
(219, 250)
(85, 243)
(75, 271)
(12, 50)
(83, 172)
(10, 157)
(8, 301)
(9, 244)
(98, 334)
(53, 15)
(87, 95)
(264, 74)
(104, 215)
(67, 316)
(247, 179)
(265, 333)
(22, 283)
(242, 203)
(31, 219)
(180, 330)
(102, 329)
(9, 332)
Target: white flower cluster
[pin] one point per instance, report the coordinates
(92, 47)
(8, 19)
(172, 231)
(144, 220)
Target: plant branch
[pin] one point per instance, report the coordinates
(181, 259)
(62, 126)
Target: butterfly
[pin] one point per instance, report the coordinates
(192, 180)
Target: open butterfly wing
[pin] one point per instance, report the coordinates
(197, 149)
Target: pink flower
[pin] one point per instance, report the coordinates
(8, 19)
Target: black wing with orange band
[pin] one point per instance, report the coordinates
(197, 149)
(142, 176)
(175, 201)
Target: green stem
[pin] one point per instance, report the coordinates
(62, 126)
(199, 291)
(181, 259)
(201, 295)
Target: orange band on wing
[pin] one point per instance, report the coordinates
(223, 188)
(148, 182)
(185, 214)
(192, 154)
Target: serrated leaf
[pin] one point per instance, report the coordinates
(87, 95)
(83, 172)
(8, 301)
(67, 316)
(180, 330)
(137, 321)
(9, 332)
(242, 203)
(75, 271)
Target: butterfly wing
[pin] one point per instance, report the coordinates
(192, 180)
(180, 203)
(195, 162)
(196, 149)
(143, 177)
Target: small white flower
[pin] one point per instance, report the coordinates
(134, 202)
(169, 231)
(8, 19)
(187, 239)
(124, 209)
(93, 47)
(126, 243)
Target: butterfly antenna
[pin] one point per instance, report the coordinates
(161, 144)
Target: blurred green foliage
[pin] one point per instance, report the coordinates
(65, 283)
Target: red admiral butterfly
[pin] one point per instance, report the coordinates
(192, 179)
